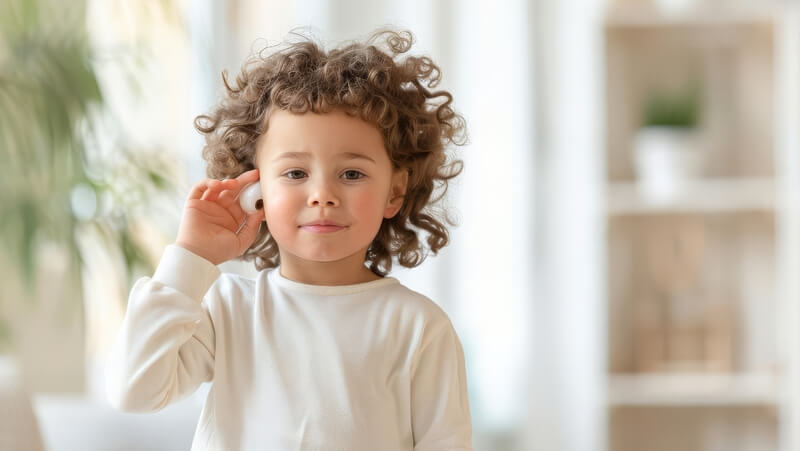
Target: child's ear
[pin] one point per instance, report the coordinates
(397, 197)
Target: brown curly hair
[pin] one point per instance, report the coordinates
(366, 80)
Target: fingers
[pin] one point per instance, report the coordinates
(209, 189)
(248, 177)
(216, 187)
(223, 191)
(198, 189)
(231, 197)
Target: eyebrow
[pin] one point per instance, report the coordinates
(306, 155)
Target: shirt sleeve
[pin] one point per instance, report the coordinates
(165, 346)
(440, 415)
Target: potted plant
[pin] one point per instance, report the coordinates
(55, 184)
(667, 148)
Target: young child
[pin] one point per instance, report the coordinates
(322, 351)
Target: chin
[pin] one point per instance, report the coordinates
(323, 257)
(329, 256)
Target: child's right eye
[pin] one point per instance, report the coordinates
(295, 174)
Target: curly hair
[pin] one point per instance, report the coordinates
(365, 80)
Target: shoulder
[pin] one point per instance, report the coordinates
(433, 339)
(428, 316)
(231, 290)
(233, 281)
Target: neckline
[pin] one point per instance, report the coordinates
(276, 278)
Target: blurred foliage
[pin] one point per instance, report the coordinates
(54, 179)
(673, 109)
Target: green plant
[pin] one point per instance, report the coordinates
(673, 109)
(55, 183)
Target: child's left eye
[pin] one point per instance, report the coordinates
(352, 175)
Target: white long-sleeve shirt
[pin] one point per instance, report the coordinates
(294, 367)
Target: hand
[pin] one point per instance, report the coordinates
(211, 217)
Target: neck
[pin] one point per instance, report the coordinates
(348, 271)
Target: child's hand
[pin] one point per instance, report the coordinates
(211, 217)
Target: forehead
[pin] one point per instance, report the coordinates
(319, 135)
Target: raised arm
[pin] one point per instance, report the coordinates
(165, 347)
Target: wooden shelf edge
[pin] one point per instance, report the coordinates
(710, 196)
(686, 390)
(647, 16)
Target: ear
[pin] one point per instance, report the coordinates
(398, 193)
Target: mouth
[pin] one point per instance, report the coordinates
(322, 227)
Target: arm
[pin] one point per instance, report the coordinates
(440, 417)
(165, 347)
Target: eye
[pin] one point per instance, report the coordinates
(294, 174)
(352, 174)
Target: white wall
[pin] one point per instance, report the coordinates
(566, 406)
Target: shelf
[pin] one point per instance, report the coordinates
(646, 16)
(702, 196)
(687, 390)
(698, 255)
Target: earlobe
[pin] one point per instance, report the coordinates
(393, 207)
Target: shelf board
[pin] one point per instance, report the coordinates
(701, 196)
(647, 16)
(691, 390)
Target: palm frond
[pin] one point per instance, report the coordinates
(50, 98)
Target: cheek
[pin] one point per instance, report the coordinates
(369, 206)
(281, 211)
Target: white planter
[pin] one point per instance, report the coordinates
(666, 160)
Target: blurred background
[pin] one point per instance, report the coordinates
(624, 273)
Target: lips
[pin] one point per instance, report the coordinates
(322, 227)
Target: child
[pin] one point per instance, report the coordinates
(321, 351)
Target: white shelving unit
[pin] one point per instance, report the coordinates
(703, 300)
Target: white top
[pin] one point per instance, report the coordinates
(371, 366)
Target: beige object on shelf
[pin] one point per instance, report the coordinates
(719, 338)
(676, 326)
(649, 335)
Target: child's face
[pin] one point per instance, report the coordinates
(327, 184)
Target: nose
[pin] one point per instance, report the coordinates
(323, 195)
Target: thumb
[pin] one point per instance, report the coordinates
(248, 233)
